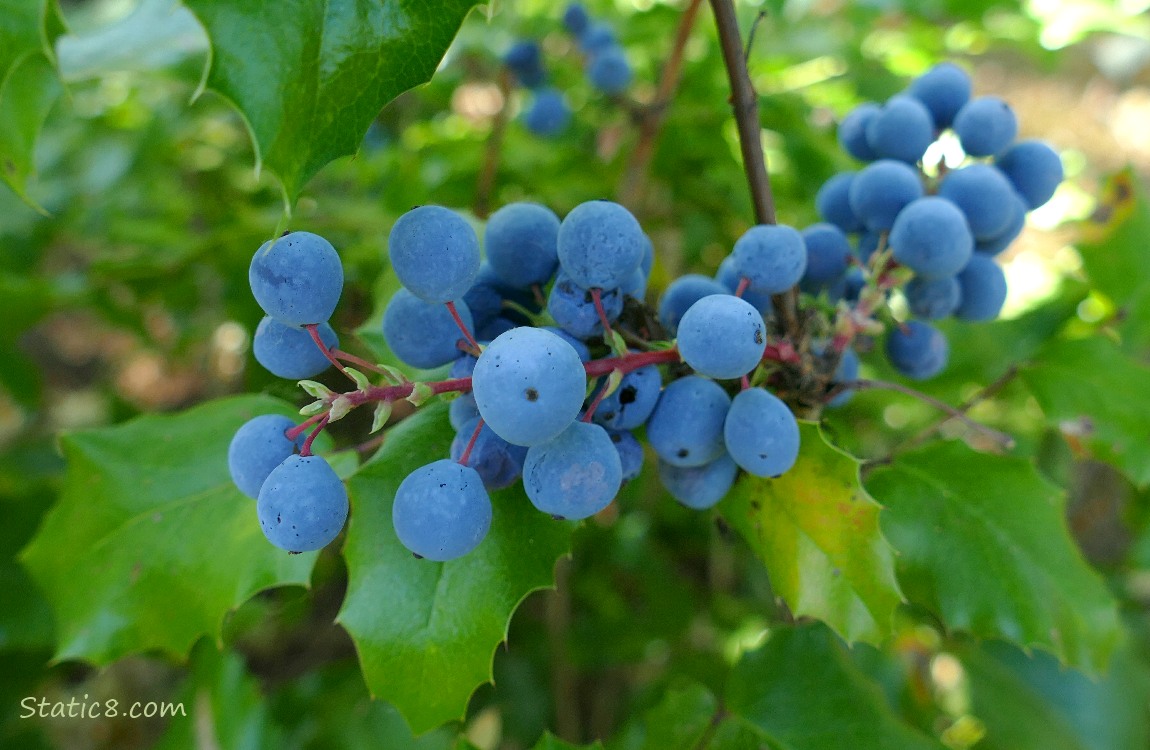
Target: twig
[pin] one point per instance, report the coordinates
(762, 16)
(494, 148)
(745, 105)
(1004, 441)
(635, 176)
(986, 393)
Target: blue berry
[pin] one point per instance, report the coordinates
(520, 240)
(630, 453)
(686, 427)
(729, 278)
(579, 347)
(600, 244)
(985, 197)
(983, 289)
(917, 350)
(485, 297)
(302, 505)
(773, 257)
(632, 402)
(441, 511)
(635, 286)
(985, 126)
(933, 299)
(423, 334)
(881, 190)
(461, 410)
(573, 307)
(833, 202)
(761, 433)
(931, 238)
(529, 384)
(903, 129)
(867, 245)
(548, 114)
(853, 131)
(525, 60)
(1034, 169)
(434, 252)
(498, 462)
(699, 487)
(944, 89)
(847, 371)
(288, 352)
(828, 254)
(609, 70)
(297, 279)
(258, 447)
(683, 292)
(574, 475)
(597, 37)
(648, 256)
(575, 19)
(999, 242)
(722, 336)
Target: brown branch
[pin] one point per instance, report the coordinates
(986, 393)
(634, 181)
(494, 149)
(745, 104)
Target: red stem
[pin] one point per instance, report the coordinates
(313, 331)
(595, 403)
(293, 433)
(360, 361)
(305, 449)
(744, 282)
(471, 443)
(459, 322)
(597, 296)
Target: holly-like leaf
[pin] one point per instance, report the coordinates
(308, 77)
(151, 544)
(1115, 254)
(804, 692)
(679, 722)
(426, 631)
(817, 531)
(29, 84)
(1031, 702)
(983, 544)
(1099, 397)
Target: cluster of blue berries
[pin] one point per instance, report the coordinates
(943, 222)
(606, 65)
(541, 406)
(301, 503)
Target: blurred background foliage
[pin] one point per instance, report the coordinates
(130, 295)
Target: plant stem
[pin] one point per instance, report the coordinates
(293, 433)
(633, 185)
(597, 298)
(459, 322)
(494, 150)
(305, 449)
(986, 393)
(1001, 439)
(745, 104)
(313, 331)
(463, 459)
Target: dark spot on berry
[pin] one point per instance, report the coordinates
(417, 556)
(532, 394)
(627, 395)
(683, 453)
(285, 234)
(616, 437)
(776, 476)
(278, 519)
(758, 335)
(557, 517)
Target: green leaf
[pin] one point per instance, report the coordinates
(802, 689)
(817, 531)
(1100, 396)
(1115, 254)
(983, 544)
(1030, 702)
(29, 85)
(151, 544)
(309, 77)
(550, 742)
(221, 704)
(678, 722)
(426, 631)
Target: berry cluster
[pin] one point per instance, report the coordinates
(943, 219)
(554, 360)
(605, 62)
(300, 502)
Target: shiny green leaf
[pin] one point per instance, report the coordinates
(817, 531)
